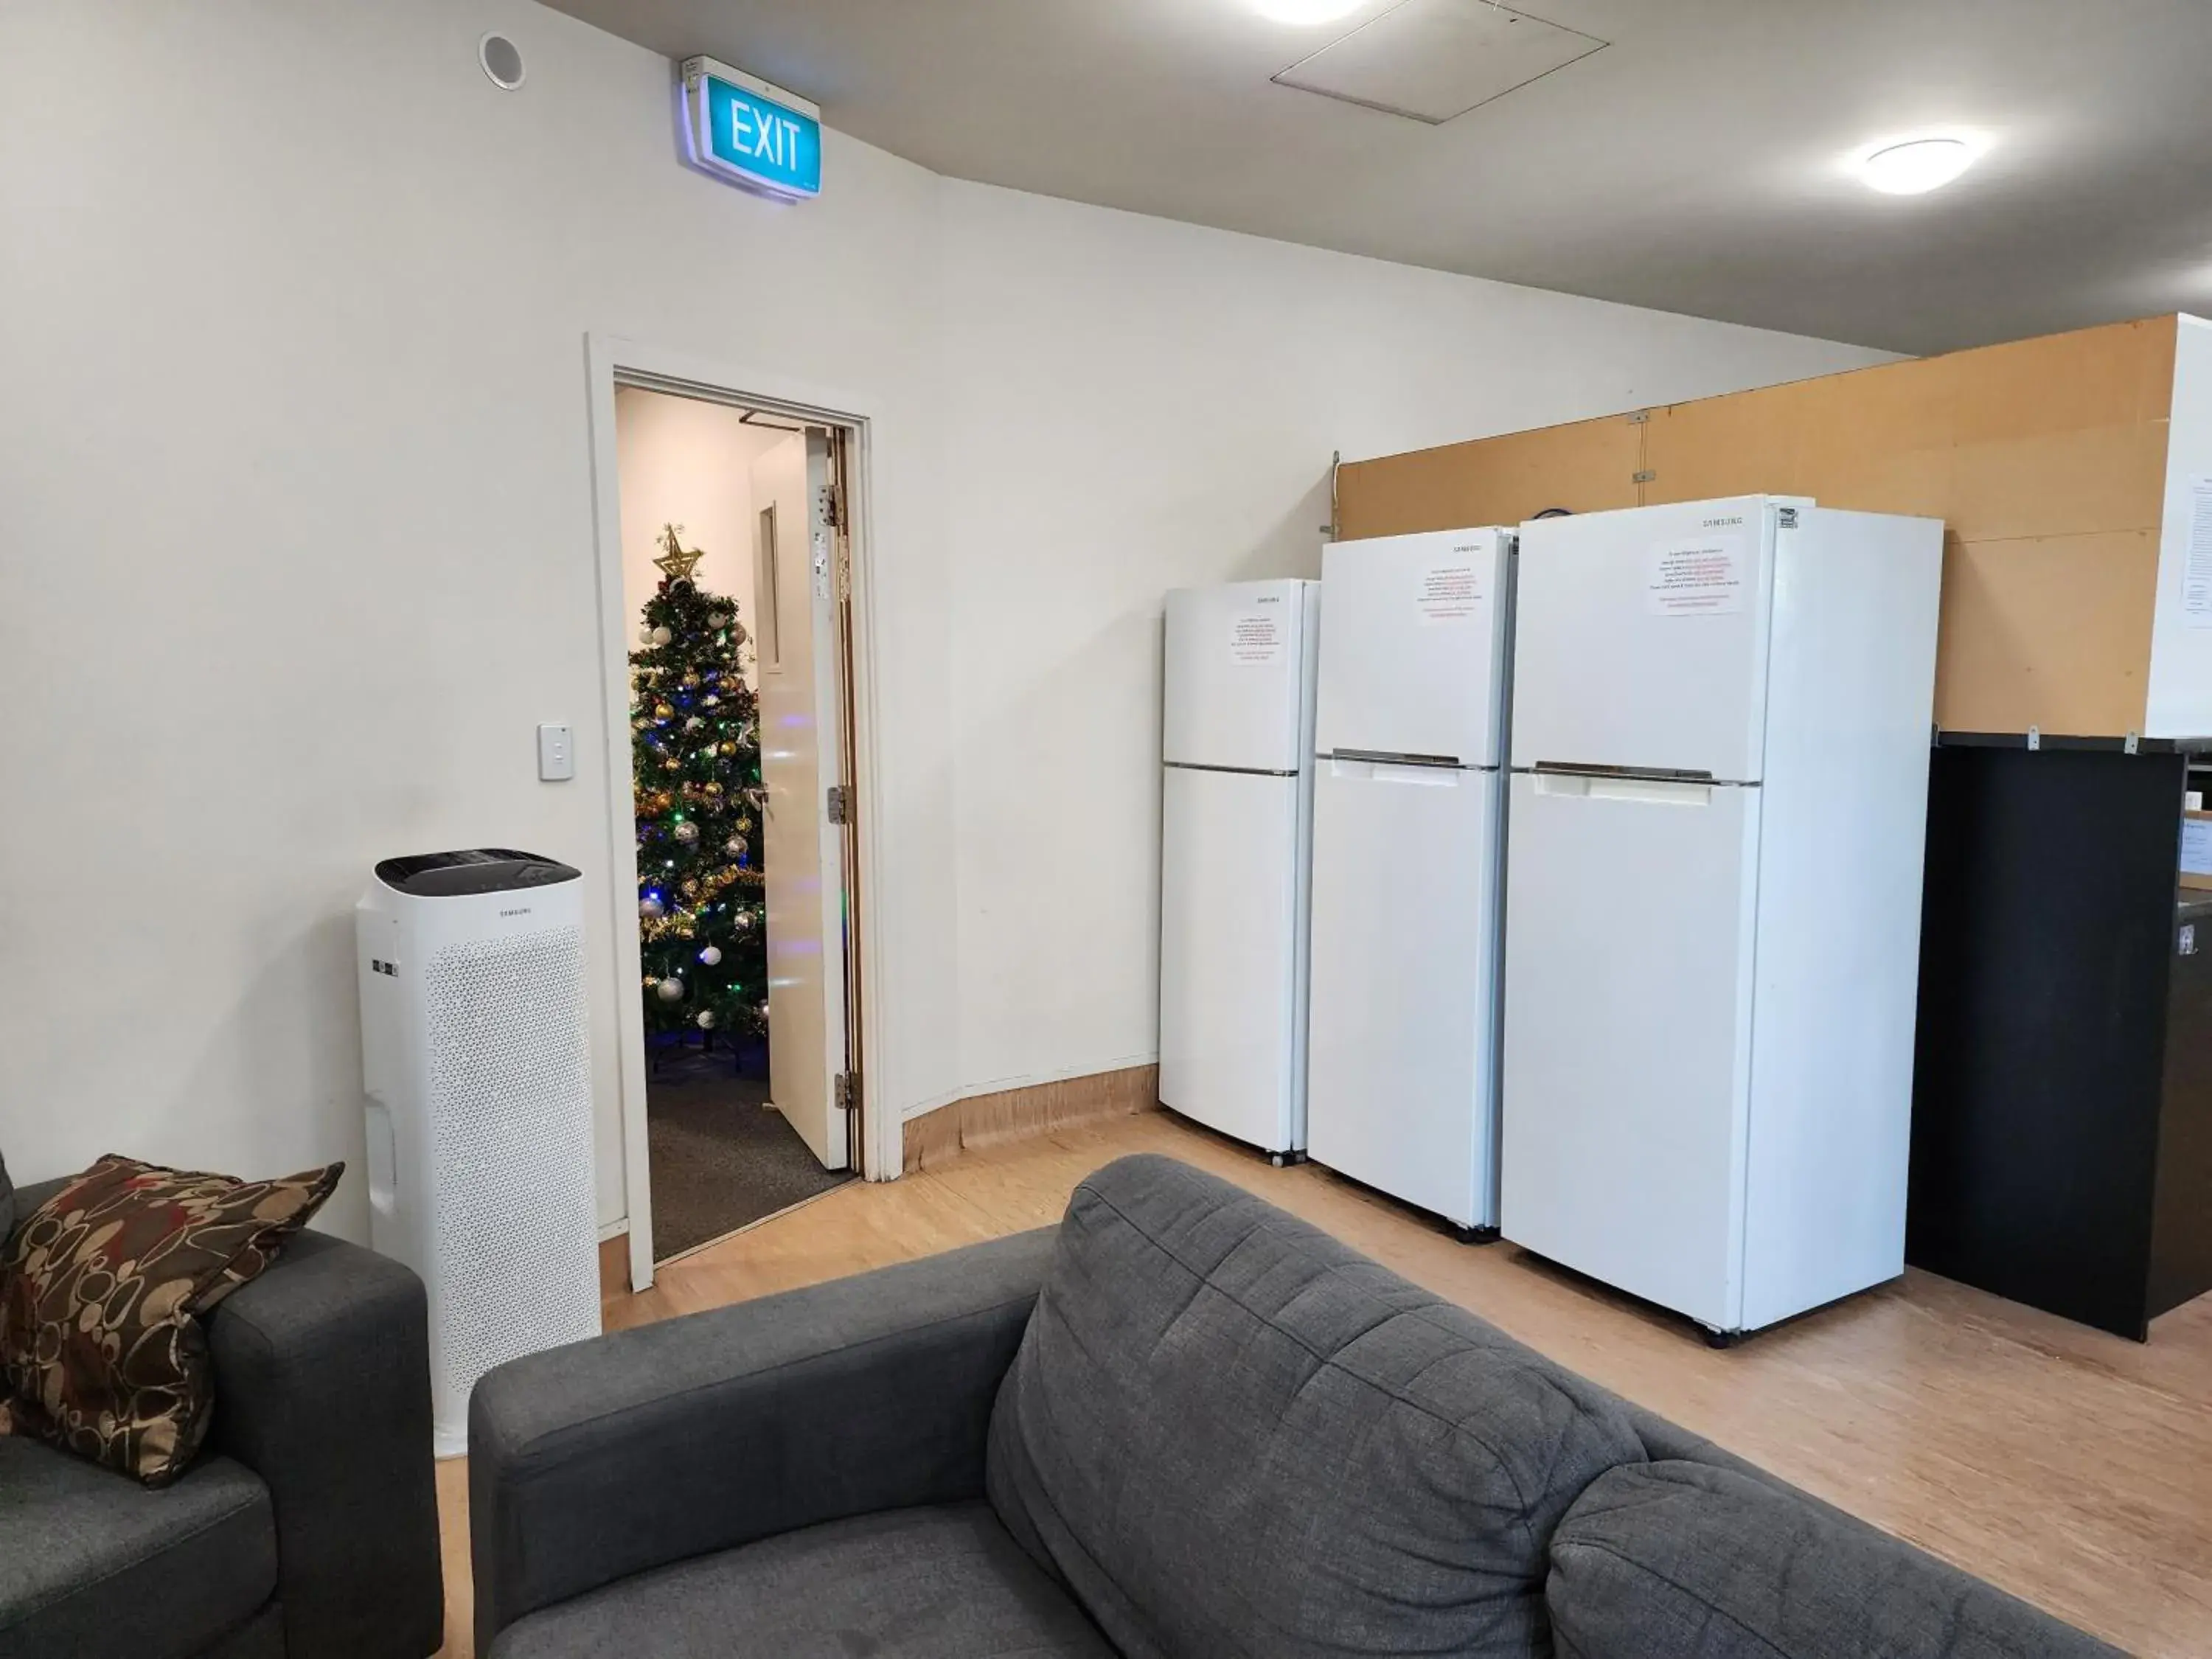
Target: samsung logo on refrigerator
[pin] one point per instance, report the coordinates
(1722, 524)
(740, 127)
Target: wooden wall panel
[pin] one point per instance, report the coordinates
(1586, 467)
(2056, 628)
(1020, 1114)
(2045, 460)
(1746, 444)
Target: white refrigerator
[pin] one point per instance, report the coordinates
(1408, 821)
(1236, 833)
(1721, 725)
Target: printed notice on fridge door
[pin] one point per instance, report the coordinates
(2196, 568)
(1702, 577)
(1255, 638)
(1449, 591)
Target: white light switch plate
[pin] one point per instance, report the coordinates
(556, 752)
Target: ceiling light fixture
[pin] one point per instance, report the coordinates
(1307, 12)
(1912, 167)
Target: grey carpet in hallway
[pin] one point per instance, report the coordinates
(721, 1157)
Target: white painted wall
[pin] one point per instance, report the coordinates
(690, 463)
(296, 540)
(296, 529)
(1141, 405)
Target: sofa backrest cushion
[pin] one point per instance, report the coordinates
(1678, 1558)
(1229, 1434)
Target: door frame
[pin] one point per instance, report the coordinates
(611, 360)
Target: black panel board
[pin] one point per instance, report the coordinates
(2181, 1213)
(2046, 927)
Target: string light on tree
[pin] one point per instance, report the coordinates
(694, 732)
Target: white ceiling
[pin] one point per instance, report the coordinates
(1691, 165)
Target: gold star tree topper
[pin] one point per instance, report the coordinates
(674, 561)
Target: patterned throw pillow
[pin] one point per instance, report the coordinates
(101, 1350)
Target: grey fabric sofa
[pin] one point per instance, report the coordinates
(307, 1529)
(1184, 1423)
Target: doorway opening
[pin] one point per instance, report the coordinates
(736, 753)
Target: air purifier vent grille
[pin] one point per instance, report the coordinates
(511, 1131)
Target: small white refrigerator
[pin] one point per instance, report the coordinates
(1721, 728)
(1236, 834)
(1408, 840)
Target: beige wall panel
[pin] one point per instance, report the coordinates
(1743, 445)
(2116, 375)
(1586, 466)
(2058, 483)
(1880, 440)
(2051, 632)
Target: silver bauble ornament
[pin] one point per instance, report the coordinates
(720, 619)
(651, 908)
(670, 989)
(744, 920)
(711, 955)
(645, 633)
(706, 1019)
(662, 636)
(737, 635)
(735, 846)
(686, 832)
(693, 724)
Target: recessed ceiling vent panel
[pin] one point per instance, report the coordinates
(1430, 60)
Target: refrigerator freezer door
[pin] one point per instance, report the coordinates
(1629, 914)
(1410, 652)
(1231, 1023)
(1237, 676)
(1402, 1089)
(1640, 639)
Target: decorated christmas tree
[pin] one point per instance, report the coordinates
(694, 731)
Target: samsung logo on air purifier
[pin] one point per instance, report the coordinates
(524, 911)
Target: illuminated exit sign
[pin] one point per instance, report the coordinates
(738, 127)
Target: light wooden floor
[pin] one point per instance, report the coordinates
(2071, 1467)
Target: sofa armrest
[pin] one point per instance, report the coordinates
(590, 1462)
(322, 1375)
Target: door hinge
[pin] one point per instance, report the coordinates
(1639, 418)
(839, 804)
(2134, 745)
(833, 507)
(2035, 737)
(1641, 477)
(848, 1092)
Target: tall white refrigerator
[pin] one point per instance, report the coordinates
(1408, 815)
(1236, 833)
(1721, 726)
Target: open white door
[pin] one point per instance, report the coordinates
(802, 727)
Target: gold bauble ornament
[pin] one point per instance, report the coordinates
(714, 786)
(662, 711)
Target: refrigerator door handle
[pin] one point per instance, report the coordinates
(1394, 758)
(1418, 775)
(1573, 769)
(1664, 791)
